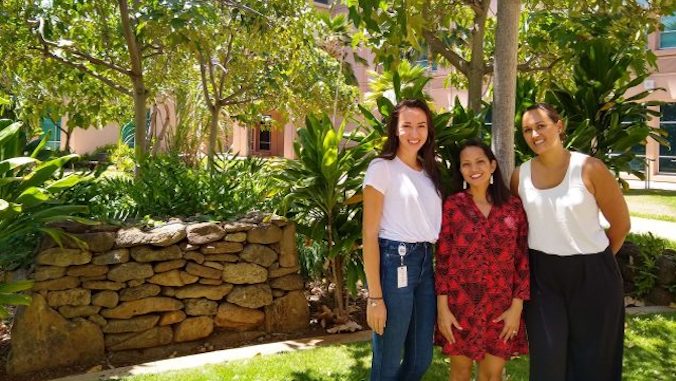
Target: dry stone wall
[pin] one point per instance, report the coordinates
(129, 289)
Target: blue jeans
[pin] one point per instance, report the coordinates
(411, 314)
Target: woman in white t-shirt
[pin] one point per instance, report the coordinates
(402, 219)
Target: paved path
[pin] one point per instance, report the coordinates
(216, 357)
(664, 229)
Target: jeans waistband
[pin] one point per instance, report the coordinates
(384, 242)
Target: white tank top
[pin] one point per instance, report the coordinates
(563, 220)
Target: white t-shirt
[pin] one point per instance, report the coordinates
(411, 208)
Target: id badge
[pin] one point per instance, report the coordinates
(402, 277)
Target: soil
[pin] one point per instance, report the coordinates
(319, 297)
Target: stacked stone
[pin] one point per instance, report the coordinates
(176, 283)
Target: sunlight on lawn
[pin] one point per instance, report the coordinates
(650, 355)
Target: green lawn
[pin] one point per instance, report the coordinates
(650, 355)
(652, 203)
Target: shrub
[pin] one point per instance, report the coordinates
(645, 268)
(168, 187)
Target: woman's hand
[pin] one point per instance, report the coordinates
(376, 315)
(445, 321)
(512, 319)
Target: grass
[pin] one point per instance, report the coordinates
(650, 355)
(652, 203)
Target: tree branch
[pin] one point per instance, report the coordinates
(203, 78)
(87, 57)
(135, 58)
(86, 70)
(438, 47)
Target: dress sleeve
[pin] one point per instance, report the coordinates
(521, 284)
(377, 175)
(443, 254)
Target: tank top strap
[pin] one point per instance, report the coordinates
(576, 164)
(525, 177)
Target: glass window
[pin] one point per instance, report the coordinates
(668, 35)
(668, 123)
(264, 140)
(53, 129)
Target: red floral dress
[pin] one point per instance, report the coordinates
(482, 264)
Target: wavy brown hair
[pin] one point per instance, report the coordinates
(427, 154)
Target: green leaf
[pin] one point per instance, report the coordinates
(21, 285)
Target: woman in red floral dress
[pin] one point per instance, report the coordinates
(482, 275)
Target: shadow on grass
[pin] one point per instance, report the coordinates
(360, 355)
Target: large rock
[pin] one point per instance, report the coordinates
(169, 265)
(255, 296)
(150, 254)
(288, 252)
(288, 282)
(288, 314)
(70, 312)
(163, 236)
(137, 324)
(72, 297)
(221, 247)
(129, 271)
(63, 257)
(87, 270)
(238, 318)
(207, 232)
(139, 292)
(666, 270)
(214, 265)
(203, 291)
(153, 337)
(193, 329)
(237, 226)
(98, 241)
(43, 339)
(170, 278)
(102, 285)
(200, 307)
(259, 254)
(57, 284)
(195, 256)
(244, 273)
(48, 272)
(235, 237)
(224, 258)
(203, 271)
(107, 298)
(127, 310)
(660, 296)
(264, 234)
(188, 278)
(212, 282)
(113, 257)
(172, 317)
(92, 241)
(281, 271)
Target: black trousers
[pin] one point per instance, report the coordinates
(575, 318)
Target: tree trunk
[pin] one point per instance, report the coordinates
(213, 135)
(139, 122)
(504, 94)
(476, 71)
(336, 270)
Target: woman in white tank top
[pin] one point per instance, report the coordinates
(575, 318)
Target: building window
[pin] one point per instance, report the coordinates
(668, 35)
(264, 140)
(53, 129)
(667, 159)
(327, 2)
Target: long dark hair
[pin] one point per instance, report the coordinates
(497, 192)
(427, 154)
